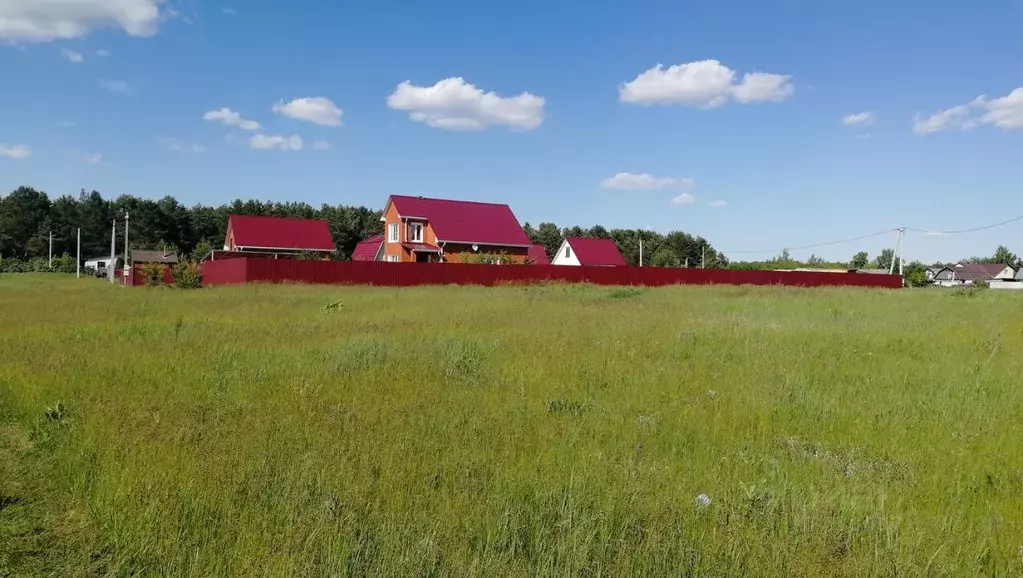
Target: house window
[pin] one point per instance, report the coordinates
(392, 258)
(392, 232)
(415, 232)
(568, 252)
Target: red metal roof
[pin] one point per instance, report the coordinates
(596, 251)
(422, 247)
(539, 255)
(465, 221)
(280, 233)
(367, 249)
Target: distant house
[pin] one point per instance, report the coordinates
(538, 255)
(99, 263)
(278, 236)
(589, 252)
(139, 257)
(369, 249)
(969, 273)
(420, 229)
(932, 273)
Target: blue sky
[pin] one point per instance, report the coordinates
(556, 99)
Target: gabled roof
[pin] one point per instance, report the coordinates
(464, 221)
(366, 249)
(280, 233)
(977, 271)
(539, 255)
(138, 256)
(596, 251)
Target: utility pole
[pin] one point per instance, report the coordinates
(641, 251)
(900, 233)
(703, 257)
(113, 247)
(78, 261)
(126, 255)
(50, 262)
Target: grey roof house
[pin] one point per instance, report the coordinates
(167, 257)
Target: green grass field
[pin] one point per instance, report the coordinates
(463, 431)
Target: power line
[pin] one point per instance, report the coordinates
(974, 229)
(877, 234)
(800, 248)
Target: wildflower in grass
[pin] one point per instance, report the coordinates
(702, 501)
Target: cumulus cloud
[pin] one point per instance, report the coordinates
(318, 110)
(858, 119)
(322, 145)
(717, 204)
(454, 104)
(268, 142)
(46, 20)
(231, 118)
(704, 83)
(684, 199)
(1005, 112)
(92, 158)
(71, 55)
(15, 151)
(102, 53)
(643, 181)
(179, 145)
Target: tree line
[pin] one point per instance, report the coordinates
(28, 217)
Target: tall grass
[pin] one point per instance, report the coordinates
(557, 430)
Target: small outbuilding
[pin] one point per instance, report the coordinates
(139, 257)
(589, 252)
(370, 249)
(538, 255)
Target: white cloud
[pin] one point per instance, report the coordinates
(71, 55)
(231, 118)
(179, 145)
(454, 104)
(15, 151)
(102, 53)
(93, 158)
(859, 119)
(1005, 112)
(643, 181)
(229, 11)
(684, 199)
(717, 204)
(46, 20)
(317, 110)
(267, 142)
(322, 145)
(118, 86)
(704, 83)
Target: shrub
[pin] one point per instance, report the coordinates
(63, 264)
(187, 275)
(12, 266)
(38, 265)
(152, 274)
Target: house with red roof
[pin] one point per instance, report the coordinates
(420, 229)
(589, 252)
(278, 236)
(369, 249)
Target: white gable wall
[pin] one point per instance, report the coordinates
(563, 258)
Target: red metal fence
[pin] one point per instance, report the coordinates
(247, 270)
